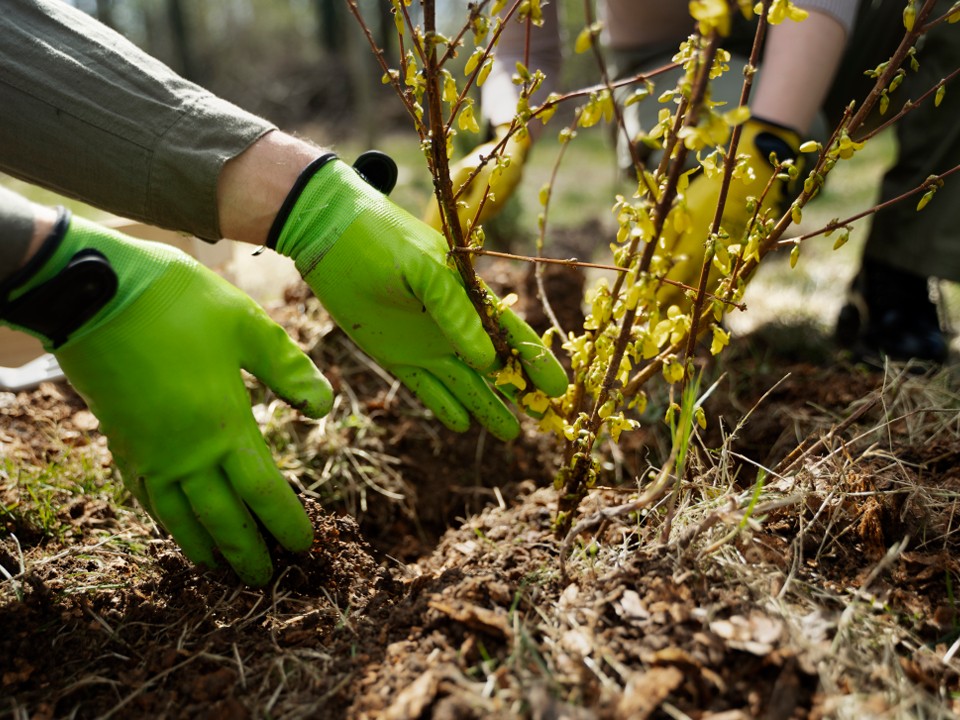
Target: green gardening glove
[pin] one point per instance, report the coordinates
(154, 342)
(384, 277)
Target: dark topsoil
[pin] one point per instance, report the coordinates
(470, 607)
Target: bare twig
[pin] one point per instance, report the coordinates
(651, 494)
(728, 165)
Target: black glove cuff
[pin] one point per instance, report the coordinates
(64, 303)
(305, 176)
(769, 142)
(376, 168)
(39, 259)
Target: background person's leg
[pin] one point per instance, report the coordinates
(890, 310)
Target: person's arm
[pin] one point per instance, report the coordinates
(252, 186)
(798, 66)
(234, 174)
(88, 114)
(799, 63)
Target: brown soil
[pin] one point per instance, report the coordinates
(459, 602)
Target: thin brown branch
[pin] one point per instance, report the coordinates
(385, 66)
(486, 53)
(896, 60)
(440, 168)
(576, 482)
(954, 9)
(573, 262)
(835, 224)
(452, 46)
(728, 165)
(908, 107)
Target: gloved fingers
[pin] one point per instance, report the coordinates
(255, 477)
(136, 485)
(445, 299)
(541, 365)
(434, 395)
(221, 511)
(169, 506)
(476, 395)
(273, 356)
(447, 302)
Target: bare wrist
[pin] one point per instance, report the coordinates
(44, 220)
(254, 184)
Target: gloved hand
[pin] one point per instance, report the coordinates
(501, 181)
(154, 342)
(758, 140)
(384, 277)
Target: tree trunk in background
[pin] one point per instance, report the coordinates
(387, 30)
(330, 24)
(180, 41)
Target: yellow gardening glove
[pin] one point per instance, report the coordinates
(499, 179)
(758, 140)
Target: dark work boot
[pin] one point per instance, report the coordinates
(889, 313)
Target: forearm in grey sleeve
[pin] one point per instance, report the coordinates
(498, 98)
(16, 231)
(88, 114)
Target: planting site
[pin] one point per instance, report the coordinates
(610, 389)
(437, 588)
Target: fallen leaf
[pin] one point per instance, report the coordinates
(415, 698)
(631, 607)
(757, 634)
(646, 691)
(473, 616)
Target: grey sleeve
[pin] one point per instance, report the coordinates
(16, 231)
(88, 114)
(843, 11)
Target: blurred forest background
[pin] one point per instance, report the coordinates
(306, 66)
(294, 62)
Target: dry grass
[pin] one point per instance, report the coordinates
(791, 545)
(823, 588)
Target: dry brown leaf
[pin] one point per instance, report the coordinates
(415, 698)
(757, 634)
(631, 608)
(646, 691)
(473, 616)
(576, 641)
(85, 420)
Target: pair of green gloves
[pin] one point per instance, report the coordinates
(155, 343)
